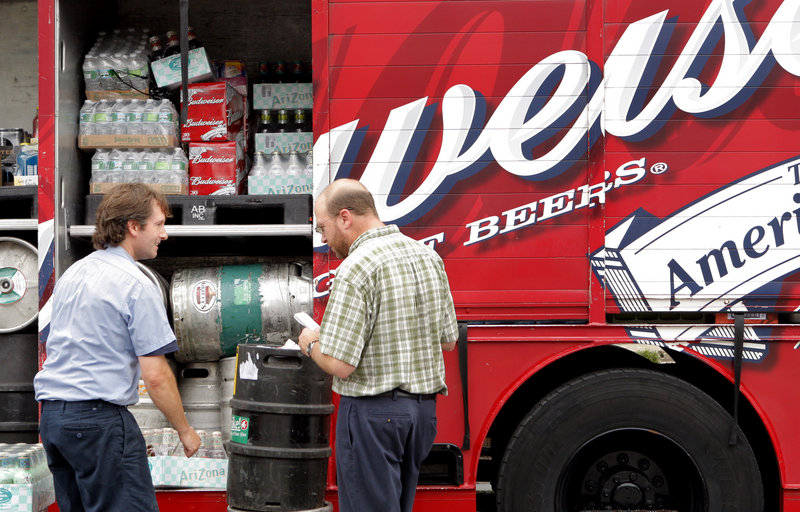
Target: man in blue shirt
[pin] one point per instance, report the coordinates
(108, 327)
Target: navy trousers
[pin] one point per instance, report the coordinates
(98, 458)
(380, 444)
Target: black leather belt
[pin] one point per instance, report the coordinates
(399, 393)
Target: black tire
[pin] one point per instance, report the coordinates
(628, 439)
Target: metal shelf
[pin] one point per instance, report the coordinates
(18, 224)
(218, 230)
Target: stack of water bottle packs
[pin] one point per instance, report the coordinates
(26, 484)
(128, 123)
(135, 141)
(164, 169)
(280, 173)
(117, 65)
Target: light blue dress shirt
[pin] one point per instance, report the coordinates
(106, 313)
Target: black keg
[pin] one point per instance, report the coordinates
(19, 412)
(279, 448)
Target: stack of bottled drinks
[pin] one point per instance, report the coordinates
(166, 442)
(120, 165)
(118, 62)
(294, 166)
(129, 117)
(22, 463)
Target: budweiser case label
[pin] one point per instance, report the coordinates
(215, 112)
(216, 168)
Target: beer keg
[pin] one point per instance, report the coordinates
(216, 308)
(19, 280)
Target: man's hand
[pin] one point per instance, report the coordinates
(190, 441)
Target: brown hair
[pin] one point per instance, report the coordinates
(126, 201)
(350, 195)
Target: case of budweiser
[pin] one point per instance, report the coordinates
(215, 113)
(217, 168)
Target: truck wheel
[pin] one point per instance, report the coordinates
(627, 439)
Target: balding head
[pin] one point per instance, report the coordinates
(348, 194)
(345, 210)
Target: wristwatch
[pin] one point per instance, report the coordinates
(310, 346)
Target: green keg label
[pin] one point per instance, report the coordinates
(240, 427)
(240, 309)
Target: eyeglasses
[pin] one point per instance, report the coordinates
(319, 229)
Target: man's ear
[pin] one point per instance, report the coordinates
(347, 216)
(133, 226)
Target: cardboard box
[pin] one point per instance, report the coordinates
(165, 188)
(128, 94)
(215, 113)
(169, 471)
(216, 168)
(277, 96)
(23, 181)
(268, 185)
(127, 141)
(286, 142)
(33, 497)
(167, 71)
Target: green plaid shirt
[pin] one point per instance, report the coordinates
(389, 311)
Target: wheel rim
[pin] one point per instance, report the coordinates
(628, 469)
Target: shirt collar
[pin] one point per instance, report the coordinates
(374, 233)
(119, 251)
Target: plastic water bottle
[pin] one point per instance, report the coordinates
(86, 126)
(102, 118)
(150, 118)
(100, 160)
(130, 165)
(179, 161)
(134, 124)
(91, 75)
(106, 71)
(167, 117)
(140, 70)
(276, 165)
(179, 164)
(119, 112)
(163, 162)
(115, 159)
(119, 68)
(147, 162)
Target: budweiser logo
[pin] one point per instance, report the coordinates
(201, 180)
(202, 122)
(205, 101)
(200, 159)
(511, 135)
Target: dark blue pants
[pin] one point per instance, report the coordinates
(380, 444)
(98, 458)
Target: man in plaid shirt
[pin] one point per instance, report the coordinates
(389, 316)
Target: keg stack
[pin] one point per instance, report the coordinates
(214, 309)
(19, 308)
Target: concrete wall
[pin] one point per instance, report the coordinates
(18, 63)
